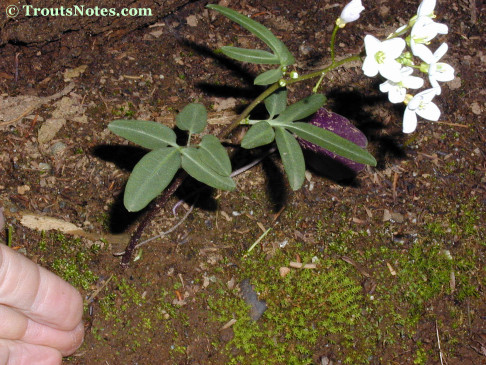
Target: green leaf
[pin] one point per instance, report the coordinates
(150, 176)
(301, 109)
(250, 55)
(147, 134)
(213, 154)
(276, 102)
(192, 118)
(258, 135)
(292, 157)
(332, 142)
(275, 44)
(192, 163)
(268, 77)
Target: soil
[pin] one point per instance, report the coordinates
(59, 160)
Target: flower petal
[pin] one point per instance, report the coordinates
(441, 28)
(442, 72)
(397, 94)
(441, 51)
(426, 8)
(386, 87)
(429, 111)
(370, 67)
(393, 47)
(390, 71)
(372, 45)
(413, 82)
(421, 51)
(409, 121)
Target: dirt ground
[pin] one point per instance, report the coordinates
(409, 235)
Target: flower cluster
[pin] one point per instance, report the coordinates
(390, 59)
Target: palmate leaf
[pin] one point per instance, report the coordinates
(275, 44)
(268, 77)
(192, 118)
(251, 55)
(258, 135)
(292, 157)
(150, 177)
(276, 102)
(301, 109)
(147, 134)
(332, 142)
(194, 166)
(214, 155)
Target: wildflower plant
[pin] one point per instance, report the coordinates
(205, 158)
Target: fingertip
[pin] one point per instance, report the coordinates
(77, 338)
(19, 353)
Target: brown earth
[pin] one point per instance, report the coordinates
(149, 71)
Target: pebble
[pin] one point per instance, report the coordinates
(44, 166)
(257, 307)
(58, 147)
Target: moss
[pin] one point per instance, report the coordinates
(69, 258)
(133, 319)
(303, 307)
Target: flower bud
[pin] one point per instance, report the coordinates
(350, 13)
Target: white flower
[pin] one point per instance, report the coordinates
(397, 90)
(381, 57)
(423, 31)
(350, 13)
(422, 105)
(426, 8)
(438, 71)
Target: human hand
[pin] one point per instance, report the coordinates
(40, 314)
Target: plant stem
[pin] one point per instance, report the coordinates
(333, 41)
(162, 199)
(154, 208)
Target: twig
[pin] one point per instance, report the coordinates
(160, 235)
(97, 291)
(438, 343)
(169, 230)
(453, 124)
(258, 240)
(253, 163)
(17, 66)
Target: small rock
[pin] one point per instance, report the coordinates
(23, 189)
(44, 166)
(284, 271)
(397, 217)
(226, 335)
(72, 73)
(476, 108)
(191, 21)
(49, 129)
(57, 148)
(257, 307)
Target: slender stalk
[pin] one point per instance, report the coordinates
(162, 199)
(333, 42)
(235, 122)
